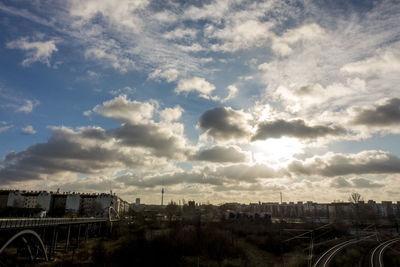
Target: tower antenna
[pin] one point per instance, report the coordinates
(162, 193)
(162, 196)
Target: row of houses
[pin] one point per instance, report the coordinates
(34, 203)
(324, 212)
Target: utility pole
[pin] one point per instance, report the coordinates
(162, 196)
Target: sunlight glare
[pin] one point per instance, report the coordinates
(276, 152)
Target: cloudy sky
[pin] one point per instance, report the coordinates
(216, 100)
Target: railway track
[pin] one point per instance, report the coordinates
(376, 259)
(325, 259)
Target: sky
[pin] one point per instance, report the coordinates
(216, 101)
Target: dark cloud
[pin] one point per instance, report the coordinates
(387, 113)
(249, 188)
(365, 183)
(139, 142)
(294, 128)
(69, 151)
(340, 182)
(90, 184)
(222, 176)
(94, 133)
(365, 162)
(194, 177)
(246, 172)
(220, 154)
(224, 123)
(307, 90)
(161, 141)
(138, 128)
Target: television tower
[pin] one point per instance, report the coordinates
(162, 196)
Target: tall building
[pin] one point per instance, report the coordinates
(57, 206)
(3, 199)
(89, 206)
(44, 201)
(15, 199)
(73, 204)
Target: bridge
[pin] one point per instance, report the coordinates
(37, 239)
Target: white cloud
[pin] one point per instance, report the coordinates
(171, 114)
(129, 35)
(37, 51)
(283, 45)
(196, 47)
(385, 61)
(113, 57)
(196, 84)
(241, 35)
(121, 15)
(318, 75)
(124, 90)
(307, 98)
(28, 106)
(215, 9)
(233, 90)
(123, 109)
(93, 74)
(28, 130)
(170, 75)
(5, 126)
(180, 33)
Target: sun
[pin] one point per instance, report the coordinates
(276, 152)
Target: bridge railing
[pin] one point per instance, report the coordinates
(7, 223)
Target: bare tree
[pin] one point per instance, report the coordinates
(355, 198)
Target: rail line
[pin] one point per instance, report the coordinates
(377, 253)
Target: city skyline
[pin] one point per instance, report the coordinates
(137, 199)
(215, 101)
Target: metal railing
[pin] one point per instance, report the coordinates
(9, 223)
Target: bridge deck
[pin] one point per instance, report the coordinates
(13, 223)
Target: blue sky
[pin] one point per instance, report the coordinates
(216, 100)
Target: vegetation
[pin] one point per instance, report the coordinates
(196, 243)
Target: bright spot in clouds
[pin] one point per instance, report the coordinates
(277, 152)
